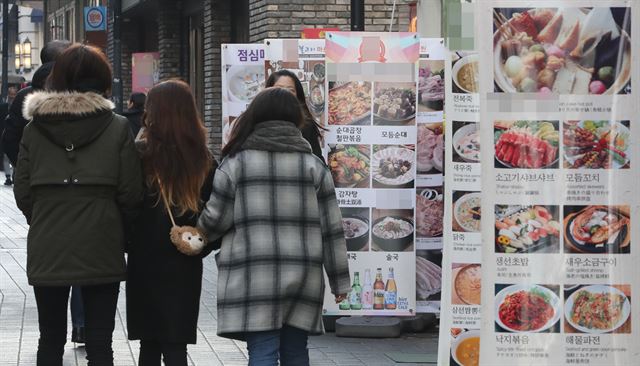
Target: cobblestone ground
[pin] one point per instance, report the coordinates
(19, 319)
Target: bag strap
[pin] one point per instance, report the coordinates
(166, 203)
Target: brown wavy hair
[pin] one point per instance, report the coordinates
(175, 156)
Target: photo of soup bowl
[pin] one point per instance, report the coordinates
(390, 240)
(463, 85)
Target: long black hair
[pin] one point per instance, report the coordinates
(273, 79)
(272, 104)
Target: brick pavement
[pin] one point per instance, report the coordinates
(19, 325)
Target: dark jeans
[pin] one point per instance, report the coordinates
(175, 354)
(100, 310)
(77, 310)
(289, 344)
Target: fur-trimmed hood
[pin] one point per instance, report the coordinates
(68, 119)
(64, 104)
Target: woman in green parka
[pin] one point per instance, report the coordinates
(79, 184)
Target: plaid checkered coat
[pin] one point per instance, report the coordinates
(274, 204)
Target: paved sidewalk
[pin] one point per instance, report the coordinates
(19, 319)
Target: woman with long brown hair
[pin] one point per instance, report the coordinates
(163, 285)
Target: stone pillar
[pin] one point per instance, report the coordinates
(217, 30)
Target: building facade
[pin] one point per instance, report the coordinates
(187, 34)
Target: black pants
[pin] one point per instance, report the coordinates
(175, 354)
(100, 310)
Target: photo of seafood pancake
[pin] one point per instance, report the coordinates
(597, 229)
(566, 51)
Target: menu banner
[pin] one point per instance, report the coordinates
(559, 169)
(371, 85)
(430, 174)
(242, 79)
(460, 318)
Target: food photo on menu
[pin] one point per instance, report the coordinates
(466, 286)
(355, 223)
(394, 104)
(393, 166)
(430, 148)
(465, 72)
(569, 50)
(349, 103)
(467, 210)
(428, 275)
(527, 229)
(429, 212)
(592, 144)
(392, 230)
(526, 144)
(465, 347)
(527, 308)
(597, 309)
(597, 229)
(431, 86)
(466, 142)
(350, 165)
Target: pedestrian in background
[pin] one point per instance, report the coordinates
(311, 130)
(16, 122)
(275, 207)
(163, 285)
(135, 109)
(78, 182)
(4, 111)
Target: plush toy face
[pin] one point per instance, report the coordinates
(194, 239)
(188, 240)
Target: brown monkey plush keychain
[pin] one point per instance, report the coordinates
(187, 239)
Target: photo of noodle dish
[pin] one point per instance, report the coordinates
(527, 308)
(527, 229)
(350, 103)
(568, 50)
(598, 309)
(393, 166)
(392, 230)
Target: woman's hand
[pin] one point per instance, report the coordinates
(340, 298)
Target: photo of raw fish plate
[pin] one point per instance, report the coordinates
(566, 51)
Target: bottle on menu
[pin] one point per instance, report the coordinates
(355, 296)
(367, 291)
(391, 292)
(378, 291)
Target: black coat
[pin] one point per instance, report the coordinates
(163, 285)
(135, 119)
(310, 133)
(15, 121)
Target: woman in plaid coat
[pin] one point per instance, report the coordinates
(275, 207)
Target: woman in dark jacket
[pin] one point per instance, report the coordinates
(78, 183)
(311, 130)
(163, 285)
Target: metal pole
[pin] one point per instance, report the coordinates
(5, 49)
(357, 15)
(117, 56)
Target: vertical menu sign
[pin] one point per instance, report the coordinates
(460, 318)
(560, 171)
(305, 59)
(430, 170)
(371, 85)
(242, 79)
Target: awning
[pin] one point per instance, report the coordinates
(37, 15)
